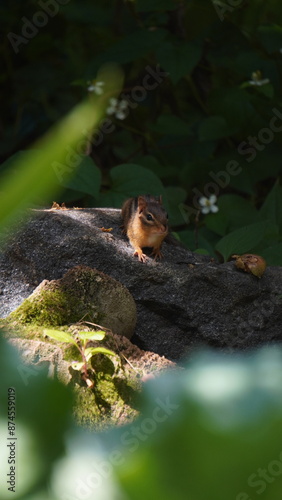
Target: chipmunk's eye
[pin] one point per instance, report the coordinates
(149, 217)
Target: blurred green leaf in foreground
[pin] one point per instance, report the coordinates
(49, 166)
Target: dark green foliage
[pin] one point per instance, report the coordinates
(203, 82)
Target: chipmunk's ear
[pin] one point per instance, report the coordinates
(141, 204)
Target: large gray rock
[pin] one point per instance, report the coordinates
(182, 302)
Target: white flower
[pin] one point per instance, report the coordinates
(208, 204)
(117, 108)
(96, 87)
(258, 80)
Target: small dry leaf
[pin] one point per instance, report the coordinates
(57, 206)
(250, 263)
(106, 230)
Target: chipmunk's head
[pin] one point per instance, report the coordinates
(152, 214)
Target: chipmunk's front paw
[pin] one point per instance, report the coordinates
(157, 254)
(142, 257)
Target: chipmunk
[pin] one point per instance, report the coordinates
(145, 222)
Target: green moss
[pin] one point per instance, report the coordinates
(103, 406)
(62, 302)
(112, 400)
(14, 329)
(86, 411)
(106, 390)
(49, 308)
(71, 353)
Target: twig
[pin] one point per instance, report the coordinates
(95, 324)
(127, 360)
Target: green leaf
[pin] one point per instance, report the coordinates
(234, 212)
(99, 335)
(60, 336)
(91, 351)
(272, 206)
(87, 178)
(243, 182)
(151, 163)
(214, 127)
(218, 222)
(204, 240)
(132, 46)
(202, 251)
(270, 156)
(234, 104)
(273, 255)
(171, 125)
(176, 196)
(270, 37)
(242, 240)
(130, 180)
(179, 59)
(267, 90)
(41, 170)
(193, 173)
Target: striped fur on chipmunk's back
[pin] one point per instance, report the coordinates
(145, 222)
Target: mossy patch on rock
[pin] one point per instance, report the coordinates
(104, 405)
(47, 306)
(82, 293)
(114, 399)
